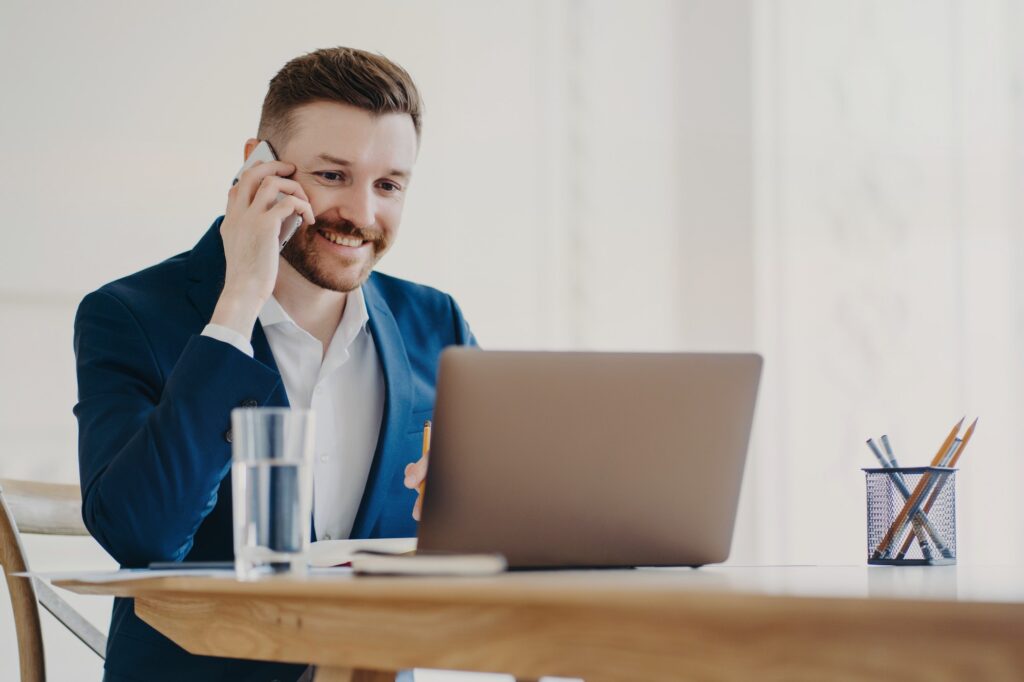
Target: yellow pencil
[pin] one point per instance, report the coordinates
(426, 449)
(915, 497)
(963, 443)
(935, 494)
(944, 448)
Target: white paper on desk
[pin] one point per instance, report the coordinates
(327, 553)
(126, 574)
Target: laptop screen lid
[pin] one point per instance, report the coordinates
(559, 459)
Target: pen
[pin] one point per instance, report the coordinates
(426, 449)
(888, 451)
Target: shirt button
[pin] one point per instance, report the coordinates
(324, 458)
(227, 436)
(250, 402)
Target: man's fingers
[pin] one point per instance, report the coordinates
(415, 473)
(289, 186)
(274, 191)
(287, 205)
(253, 177)
(414, 478)
(272, 185)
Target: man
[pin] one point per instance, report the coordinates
(165, 354)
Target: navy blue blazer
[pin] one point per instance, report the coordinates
(154, 403)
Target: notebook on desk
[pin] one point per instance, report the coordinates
(557, 459)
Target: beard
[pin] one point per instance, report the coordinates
(329, 271)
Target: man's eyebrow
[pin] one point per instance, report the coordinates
(334, 159)
(344, 162)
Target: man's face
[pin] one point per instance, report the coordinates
(355, 168)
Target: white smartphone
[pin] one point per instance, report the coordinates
(263, 152)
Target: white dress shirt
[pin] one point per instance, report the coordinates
(344, 387)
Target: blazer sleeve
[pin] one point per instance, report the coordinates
(152, 448)
(463, 334)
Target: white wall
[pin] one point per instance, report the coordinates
(834, 184)
(887, 260)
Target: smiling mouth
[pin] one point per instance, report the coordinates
(352, 242)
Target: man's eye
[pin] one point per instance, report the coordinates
(389, 186)
(331, 176)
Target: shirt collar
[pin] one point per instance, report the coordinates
(272, 313)
(353, 320)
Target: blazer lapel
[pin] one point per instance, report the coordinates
(397, 406)
(261, 351)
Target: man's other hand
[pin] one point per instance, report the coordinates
(415, 473)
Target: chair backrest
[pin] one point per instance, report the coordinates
(49, 509)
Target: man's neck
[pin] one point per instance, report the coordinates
(315, 309)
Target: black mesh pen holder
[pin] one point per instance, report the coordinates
(911, 516)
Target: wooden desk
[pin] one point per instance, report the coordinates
(716, 623)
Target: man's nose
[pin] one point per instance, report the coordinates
(358, 207)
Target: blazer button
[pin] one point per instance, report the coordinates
(249, 402)
(227, 436)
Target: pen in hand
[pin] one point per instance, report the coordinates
(416, 473)
(426, 450)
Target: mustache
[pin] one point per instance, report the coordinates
(348, 229)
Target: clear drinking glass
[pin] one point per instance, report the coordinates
(272, 487)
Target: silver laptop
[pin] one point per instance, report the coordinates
(559, 459)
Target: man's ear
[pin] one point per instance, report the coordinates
(250, 144)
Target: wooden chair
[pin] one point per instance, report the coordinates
(47, 509)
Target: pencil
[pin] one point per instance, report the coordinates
(426, 449)
(913, 503)
(938, 488)
(946, 443)
(963, 445)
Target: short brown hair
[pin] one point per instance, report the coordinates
(346, 75)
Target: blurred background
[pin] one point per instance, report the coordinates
(833, 184)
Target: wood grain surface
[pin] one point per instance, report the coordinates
(338, 674)
(45, 508)
(31, 660)
(600, 626)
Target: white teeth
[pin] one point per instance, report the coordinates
(344, 241)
